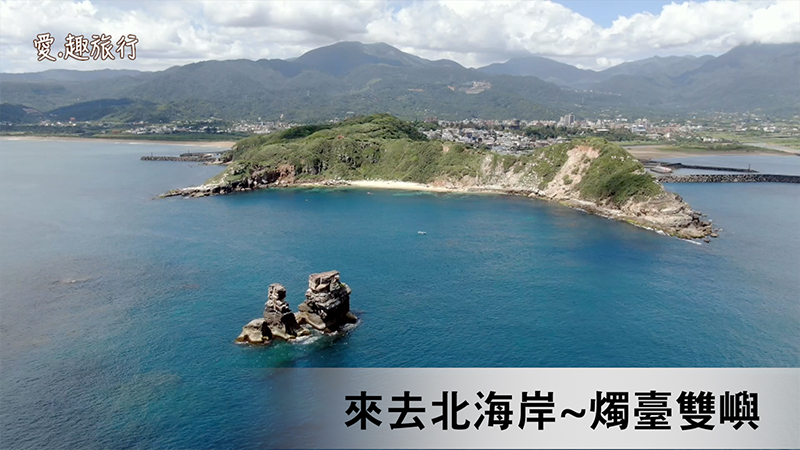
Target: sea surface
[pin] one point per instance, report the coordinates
(118, 312)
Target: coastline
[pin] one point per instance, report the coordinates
(585, 206)
(205, 190)
(404, 186)
(210, 144)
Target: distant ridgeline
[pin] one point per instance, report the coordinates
(592, 174)
(353, 78)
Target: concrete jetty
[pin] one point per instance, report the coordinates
(188, 157)
(729, 178)
(674, 166)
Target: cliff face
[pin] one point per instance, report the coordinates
(594, 175)
(572, 185)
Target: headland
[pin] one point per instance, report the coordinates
(382, 151)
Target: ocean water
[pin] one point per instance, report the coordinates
(118, 312)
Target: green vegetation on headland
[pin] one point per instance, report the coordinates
(371, 147)
(592, 174)
(616, 175)
(385, 148)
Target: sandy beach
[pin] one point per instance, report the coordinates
(401, 185)
(411, 186)
(211, 144)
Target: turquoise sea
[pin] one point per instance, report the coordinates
(118, 312)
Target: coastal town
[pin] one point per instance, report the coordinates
(514, 136)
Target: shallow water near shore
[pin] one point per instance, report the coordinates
(118, 312)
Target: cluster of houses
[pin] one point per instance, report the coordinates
(499, 141)
(245, 127)
(507, 136)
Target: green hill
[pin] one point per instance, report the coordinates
(371, 147)
(19, 114)
(351, 77)
(386, 148)
(591, 174)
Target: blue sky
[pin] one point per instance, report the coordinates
(584, 33)
(604, 13)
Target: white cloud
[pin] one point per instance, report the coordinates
(711, 26)
(603, 63)
(472, 33)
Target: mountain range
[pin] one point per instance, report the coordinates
(355, 78)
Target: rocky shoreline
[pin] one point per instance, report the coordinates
(667, 213)
(325, 310)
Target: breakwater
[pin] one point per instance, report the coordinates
(188, 157)
(694, 166)
(175, 158)
(729, 178)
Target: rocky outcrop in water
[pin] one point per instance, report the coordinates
(327, 305)
(326, 309)
(278, 314)
(255, 332)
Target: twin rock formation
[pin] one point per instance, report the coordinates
(326, 309)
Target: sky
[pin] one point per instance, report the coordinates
(589, 34)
